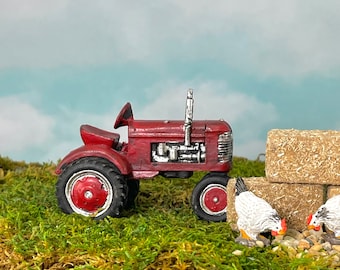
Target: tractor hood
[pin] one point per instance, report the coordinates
(175, 128)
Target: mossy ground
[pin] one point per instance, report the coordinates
(161, 232)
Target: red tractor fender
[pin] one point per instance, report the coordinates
(100, 150)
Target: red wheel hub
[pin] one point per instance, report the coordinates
(88, 194)
(215, 199)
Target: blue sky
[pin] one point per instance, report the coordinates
(273, 64)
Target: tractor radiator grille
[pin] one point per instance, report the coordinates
(225, 147)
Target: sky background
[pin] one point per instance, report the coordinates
(258, 65)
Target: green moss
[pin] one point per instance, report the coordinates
(161, 232)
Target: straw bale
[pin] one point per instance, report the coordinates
(303, 156)
(292, 201)
(332, 191)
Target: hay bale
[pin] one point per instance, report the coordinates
(303, 156)
(332, 191)
(292, 201)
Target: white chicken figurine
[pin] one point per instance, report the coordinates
(328, 214)
(255, 216)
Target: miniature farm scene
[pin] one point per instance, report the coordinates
(169, 135)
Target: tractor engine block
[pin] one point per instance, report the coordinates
(178, 152)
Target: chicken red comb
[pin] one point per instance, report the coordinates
(284, 224)
(309, 218)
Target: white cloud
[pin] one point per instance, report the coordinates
(212, 99)
(28, 134)
(33, 9)
(268, 38)
(22, 126)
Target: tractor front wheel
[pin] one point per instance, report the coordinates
(91, 187)
(209, 198)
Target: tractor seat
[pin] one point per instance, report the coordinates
(94, 135)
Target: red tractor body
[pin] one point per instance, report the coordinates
(170, 148)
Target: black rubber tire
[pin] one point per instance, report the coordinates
(107, 176)
(210, 182)
(133, 190)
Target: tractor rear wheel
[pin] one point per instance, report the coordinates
(209, 197)
(91, 187)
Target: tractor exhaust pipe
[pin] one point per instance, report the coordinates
(188, 118)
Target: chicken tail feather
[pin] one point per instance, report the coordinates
(240, 186)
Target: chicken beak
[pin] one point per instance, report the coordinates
(280, 232)
(312, 227)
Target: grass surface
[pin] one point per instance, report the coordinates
(160, 233)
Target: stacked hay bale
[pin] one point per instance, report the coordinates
(306, 156)
(302, 171)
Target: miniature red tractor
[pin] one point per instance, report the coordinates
(101, 178)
